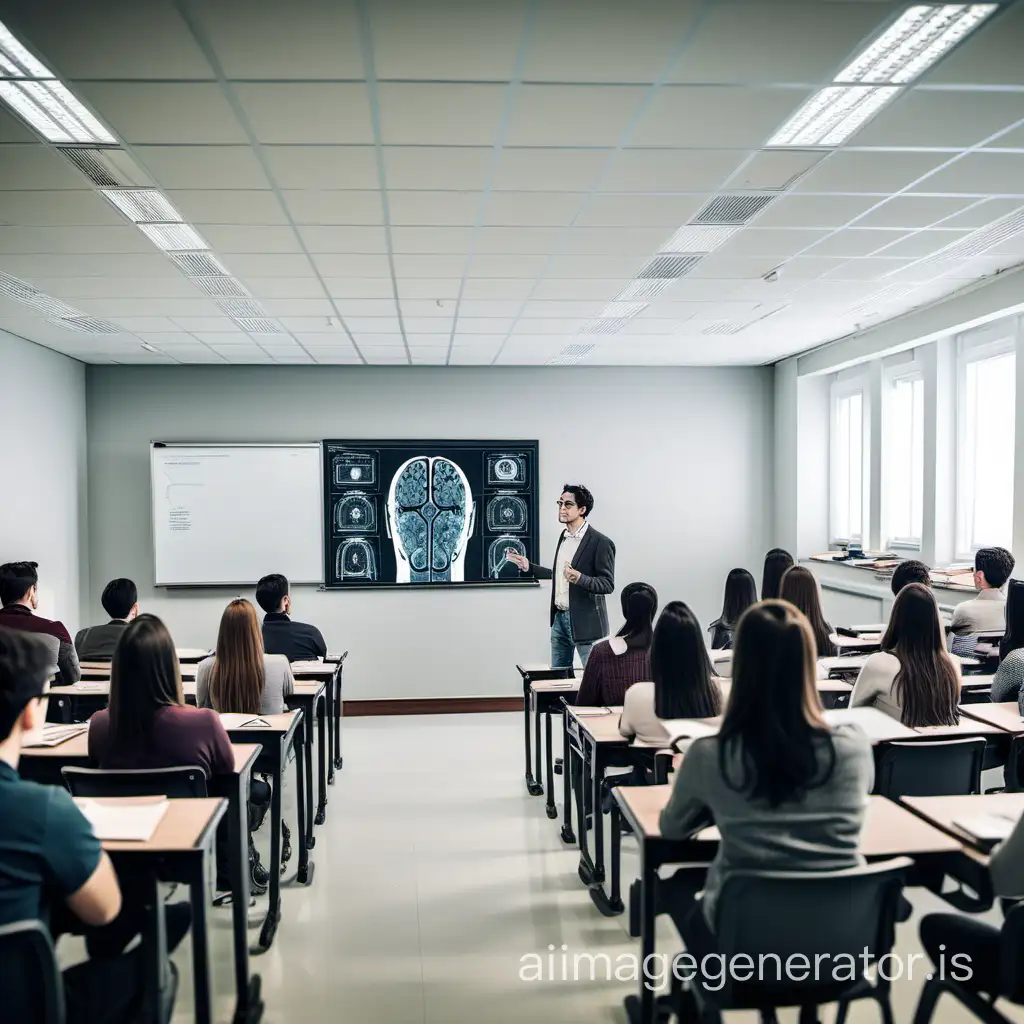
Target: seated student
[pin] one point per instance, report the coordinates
(776, 562)
(683, 685)
(987, 611)
(120, 601)
(740, 594)
(19, 596)
(297, 641)
(51, 865)
(787, 792)
(1009, 678)
(618, 662)
(913, 678)
(800, 588)
(910, 571)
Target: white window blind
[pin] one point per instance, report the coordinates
(848, 476)
(903, 450)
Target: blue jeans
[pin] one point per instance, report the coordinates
(563, 643)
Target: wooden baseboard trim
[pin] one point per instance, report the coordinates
(430, 706)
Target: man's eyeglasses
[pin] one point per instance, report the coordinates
(566, 504)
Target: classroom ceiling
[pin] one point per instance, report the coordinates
(474, 181)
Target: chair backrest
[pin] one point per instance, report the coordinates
(187, 781)
(838, 913)
(30, 981)
(1011, 955)
(929, 768)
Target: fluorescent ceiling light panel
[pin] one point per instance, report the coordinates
(86, 324)
(690, 239)
(173, 237)
(604, 325)
(920, 37)
(24, 64)
(241, 307)
(672, 267)
(615, 310)
(224, 286)
(832, 115)
(143, 205)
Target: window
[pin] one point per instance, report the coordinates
(985, 425)
(903, 451)
(848, 475)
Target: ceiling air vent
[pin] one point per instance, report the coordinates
(86, 324)
(95, 166)
(605, 325)
(981, 240)
(671, 267)
(645, 289)
(23, 292)
(226, 286)
(733, 209)
(258, 325)
(241, 308)
(723, 327)
(199, 264)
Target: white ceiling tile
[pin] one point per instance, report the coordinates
(715, 116)
(487, 288)
(572, 115)
(222, 337)
(59, 207)
(344, 239)
(554, 308)
(380, 341)
(979, 173)
(321, 308)
(828, 211)
(913, 211)
(426, 207)
(869, 268)
(536, 169)
(666, 212)
(228, 206)
(524, 265)
(13, 129)
(340, 265)
(444, 265)
(73, 240)
(323, 167)
(864, 172)
(250, 238)
(638, 241)
(483, 325)
(37, 166)
(432, 114)
(499, 241)
(336, 341)
(258, 264)
(334, 206)
(212, 324)
(588, 265)
(670, 170)
(445, 289)
(922, 243)
(349, 307)
(431, 239)
(285, 287)
(983, 213)
(991, 56)
(139, 264)
(472, 356)
(372, 325)
(541, 209)
(563, 326)
(489, 308)
(203, 167)
(774, 169)
(313, 112)
(437, 167)
(856, 242)
(172, 286)
(580, 289)
(340, 359)
(442, 309)
(136, 324)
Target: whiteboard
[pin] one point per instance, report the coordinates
(229, 514)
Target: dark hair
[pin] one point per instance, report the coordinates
(926, 685)
(581, 496)
(238, 676)
(995, 563)
(26, 664)
(776, 562)
(119, 596)
(16, 580)
(910, 571)
(271, 591)
(639, 604)
(800, 588)
(680, 667)
(1014, 636)
(740, 594)
(774, 719)
(144, 676)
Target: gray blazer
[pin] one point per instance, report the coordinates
(279, 683)
(99, 641)
(595, 559)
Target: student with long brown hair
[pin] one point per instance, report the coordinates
(740, 594)
(913, 678)
(776, 562)
(800, 588)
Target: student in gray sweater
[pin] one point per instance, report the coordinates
(786, 792)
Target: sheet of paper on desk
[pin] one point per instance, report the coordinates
(84, 685)
(690, 728)
(591, 712)
(235, 721)
(877, 724)
(55, 734)
(986, 828)
(124, 820)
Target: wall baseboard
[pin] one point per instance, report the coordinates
(430, 706)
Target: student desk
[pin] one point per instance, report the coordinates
(889, 831)
(865, 643)
(192, 655)
(43, 764)
(534, 672)
(100, 670)
(309, 696)
(545, 699)
(334, 736)
(1003, 716)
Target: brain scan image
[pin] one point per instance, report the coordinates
(498, 565)
(507, 512)
(356, 512)
(506, 470)
(354, 469)
(430, 513)
(355, 560)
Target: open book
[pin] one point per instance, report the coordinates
(124, 819)
(54, 734)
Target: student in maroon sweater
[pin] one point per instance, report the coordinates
(619, 661)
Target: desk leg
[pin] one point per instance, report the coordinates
(612, 905)
(247, 1005)
(568, 836)
(537, 745)
(154, 953)
(641, 1010)
(273, 919)
(307, 762)
(549, 767)
(596, 778)
(532, 787)
(586, 867)
(305, 825)
(322, 732)
(339, 710)
(200, 944)
(330, 709)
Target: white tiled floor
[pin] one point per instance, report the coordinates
(435, 874)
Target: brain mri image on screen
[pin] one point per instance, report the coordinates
(498, 565)
(356, 512)
(507, 512)
(506, 470)
(430, 514)
(354, 469)
(356, 559)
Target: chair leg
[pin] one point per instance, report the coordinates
(768, 1016)
(808, 1015)
(841, 1011)
(926, 1004)
(886, 1008)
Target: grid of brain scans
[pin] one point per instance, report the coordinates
(431, 513)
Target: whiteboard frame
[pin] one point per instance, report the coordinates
(153, 445)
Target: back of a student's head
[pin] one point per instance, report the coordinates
(236, 681)
(776, 562)
(271, 591)
(26, 664)
(16, 580)
(995, 564)
(680, 667)
(740, 594)
(639, 605)
(800, 588)
(910, 571)
(120, 598)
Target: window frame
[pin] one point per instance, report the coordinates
(845, 386)
(891, 377)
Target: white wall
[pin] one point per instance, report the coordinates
(679, 460)
(43, 517)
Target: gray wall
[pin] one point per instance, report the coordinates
(679, 460)
(43, 467)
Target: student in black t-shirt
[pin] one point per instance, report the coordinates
(297, 641)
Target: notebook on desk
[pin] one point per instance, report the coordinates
(124, 819)
(54, 735)
(591, 712)
(986, 830)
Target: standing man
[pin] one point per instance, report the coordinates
(584, 572)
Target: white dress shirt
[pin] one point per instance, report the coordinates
(982, 614)
(566, 553)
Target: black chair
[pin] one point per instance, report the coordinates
(1011, 978)
(188, 781)
(30, 981)
(929, 768)
(766, 914)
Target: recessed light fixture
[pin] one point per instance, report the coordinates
(174, 237)
(832, 115)
(143, 205)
